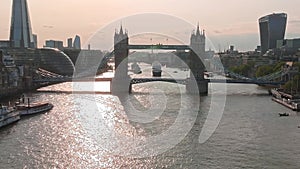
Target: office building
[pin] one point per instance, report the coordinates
(272, 28)
(70, 43)
(77, 42)
(54, 44)
(35, 41)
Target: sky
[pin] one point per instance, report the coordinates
(226, 22)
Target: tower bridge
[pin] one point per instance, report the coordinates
(196, 51)
(123, 83)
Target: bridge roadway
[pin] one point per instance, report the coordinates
(70, 79)
(170, 80)
(183, 81)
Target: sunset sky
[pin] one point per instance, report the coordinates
(230, 22)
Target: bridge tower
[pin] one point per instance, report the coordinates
(196, 58)
(121, 80)
(197, 41)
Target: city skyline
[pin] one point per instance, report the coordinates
(236, 26)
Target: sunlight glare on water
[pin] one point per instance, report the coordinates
(250, 135)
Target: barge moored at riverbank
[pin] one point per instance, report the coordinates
(289, 101)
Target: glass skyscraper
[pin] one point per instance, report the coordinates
(272, 28)
(20, 30)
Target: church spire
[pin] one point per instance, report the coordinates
(121, 29)
(198, 29)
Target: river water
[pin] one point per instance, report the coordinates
(72, 135)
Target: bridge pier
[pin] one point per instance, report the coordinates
(121, 81)
(130, 88)
(197, 87)
(120, 85)
(197, 84)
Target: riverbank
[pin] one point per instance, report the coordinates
(13, 93)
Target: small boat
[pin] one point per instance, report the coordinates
(284, 114)
(136, 68)
(156, 69)
(33, 108)
(8, 115)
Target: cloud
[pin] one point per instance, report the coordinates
(48, 26)
(235, 29)
(95, 24)
(293, 27)
(217, 32)
(294, 22)
(225, 30)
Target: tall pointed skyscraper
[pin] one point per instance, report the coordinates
(20, 30)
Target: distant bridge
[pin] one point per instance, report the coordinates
(160, 46)
(250, 81)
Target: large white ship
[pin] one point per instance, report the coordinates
(8, 115)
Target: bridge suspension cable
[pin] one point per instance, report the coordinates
(269, 77)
